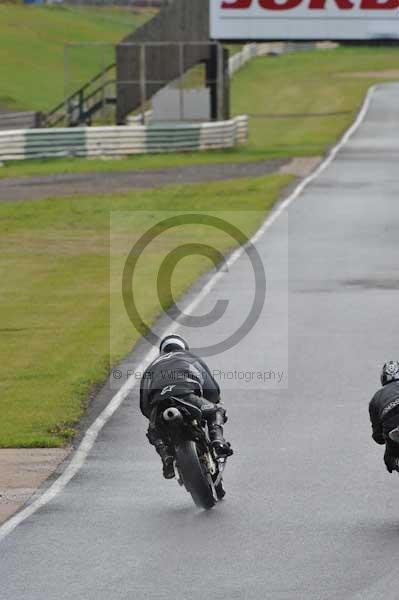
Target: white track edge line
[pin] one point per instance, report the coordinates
(91, 434)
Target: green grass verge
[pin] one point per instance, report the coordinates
(32, 40)
(282, 95)
(55, 300)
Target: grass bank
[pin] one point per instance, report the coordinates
(55, 300)
(299, 104)
(32, 41)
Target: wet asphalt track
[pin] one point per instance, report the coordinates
(310, 513)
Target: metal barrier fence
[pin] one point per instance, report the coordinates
(250, 51)
(121, 141)
(241, 58)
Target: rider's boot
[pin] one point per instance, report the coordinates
(215, 426)
(167, 458)
(163, 450)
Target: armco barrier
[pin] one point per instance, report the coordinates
(250, 51)
(122, 141)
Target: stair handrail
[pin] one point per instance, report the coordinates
(78, 92)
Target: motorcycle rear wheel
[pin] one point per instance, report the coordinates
(194, 476)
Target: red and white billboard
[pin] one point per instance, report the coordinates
(304, 19)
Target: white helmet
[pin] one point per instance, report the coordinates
(173, 343)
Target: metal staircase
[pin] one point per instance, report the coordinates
(79, 107)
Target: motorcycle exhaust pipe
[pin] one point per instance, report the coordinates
(172, 414)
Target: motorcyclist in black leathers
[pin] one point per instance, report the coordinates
(384, 415)
(180, 373)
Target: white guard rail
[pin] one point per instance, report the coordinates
(123, 140)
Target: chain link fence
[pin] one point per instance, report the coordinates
(164, 81)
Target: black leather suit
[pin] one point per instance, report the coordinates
(179, 374)
(384, 416)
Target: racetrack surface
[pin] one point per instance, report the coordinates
(310, 512)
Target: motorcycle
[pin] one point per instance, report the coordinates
(197, 466)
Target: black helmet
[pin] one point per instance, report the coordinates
(173, 343)
(390, 372)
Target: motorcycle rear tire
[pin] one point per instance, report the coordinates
(194, 476)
